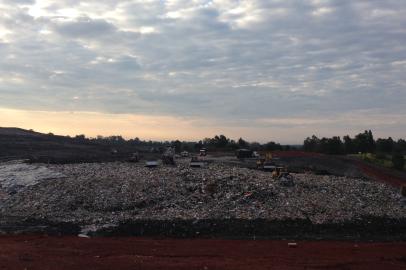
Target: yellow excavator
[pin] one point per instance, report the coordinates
(267, 163)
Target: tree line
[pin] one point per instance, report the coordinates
(361, 143)
(215, 144)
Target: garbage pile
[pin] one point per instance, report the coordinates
(16, 175)
(108, 193)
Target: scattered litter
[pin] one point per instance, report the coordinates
(16, 175)
(109, 193)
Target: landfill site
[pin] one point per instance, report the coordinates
(200, 196)
(72, 204)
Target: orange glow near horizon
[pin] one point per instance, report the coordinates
(162, 128)
(145, 127)
(93, 123)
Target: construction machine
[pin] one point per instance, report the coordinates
(195, 162)
(184, 154)
(135, 157)
(280, 172)
(244, 153)
(203, 152)
(269, 163)
(266, 163)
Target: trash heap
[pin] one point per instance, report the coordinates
(16, 175)
(108, 193)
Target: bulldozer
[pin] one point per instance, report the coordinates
(280, 172)
(268, 163)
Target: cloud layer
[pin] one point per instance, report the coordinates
(241, 64)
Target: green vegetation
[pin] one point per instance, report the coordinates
(398, 161)
(385, 160)
(363, 142)
(384, 152)
(217, 143)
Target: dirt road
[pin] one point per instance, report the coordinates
(42, 252)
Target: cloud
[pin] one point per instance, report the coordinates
(221, 60)
(85, 27)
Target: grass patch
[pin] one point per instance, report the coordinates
(381, 159)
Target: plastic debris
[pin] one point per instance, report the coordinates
(109, 193)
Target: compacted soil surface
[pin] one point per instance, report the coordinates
(70, 252)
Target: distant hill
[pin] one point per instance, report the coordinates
(18, 143)
(18, 132)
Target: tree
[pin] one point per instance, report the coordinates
(401, 146)
(334, 146)
(370, 141)
(221, 141)
(272, 146)
(311, 144)
(349, 147)
(385, 145)
(398, 160)
(364, 142)
(242, 143)
(177, 145)
(255, 146)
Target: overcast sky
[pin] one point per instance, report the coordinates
(262, 69)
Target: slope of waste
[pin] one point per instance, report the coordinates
(96, 195)
(17, 175)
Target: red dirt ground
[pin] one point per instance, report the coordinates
(43, 252)
(295, 154)
(381, 174)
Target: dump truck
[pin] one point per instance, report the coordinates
(244, 153)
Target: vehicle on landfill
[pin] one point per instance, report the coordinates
(244, 153)
(151, 163)
(269, 166)
(280, 172)
(184, 154)
(266, 162)
(135, 157)
(203, 152)
(269, 163)
(195, 162)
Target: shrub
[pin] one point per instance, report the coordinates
(398, 161)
